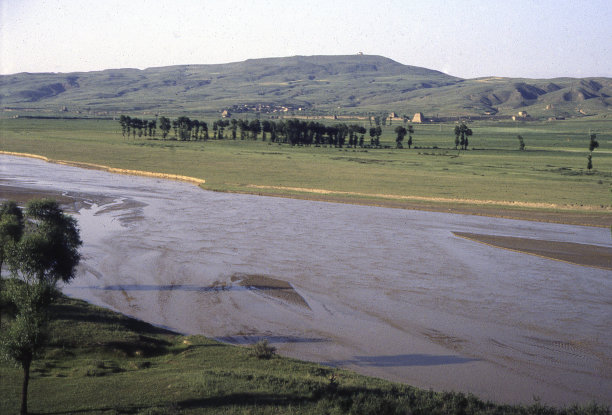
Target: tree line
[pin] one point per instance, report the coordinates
(291, 131)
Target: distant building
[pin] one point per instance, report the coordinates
(418, 117)
(522, 115)
(226, 114)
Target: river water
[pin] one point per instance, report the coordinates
(386, 292)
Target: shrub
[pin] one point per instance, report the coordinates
(262, 350)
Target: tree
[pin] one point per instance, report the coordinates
(164, 126)
(593, 144)
(11, 229)
(266, 127)
(255, 128)
(26, 336)
(243, 125)
(46, 253)
(457, 135)
(372, 132)
(401, 133)
(123, 121)
(589, 162)
(521, 142)
(410, 132)
(233, 127)
(462, 132)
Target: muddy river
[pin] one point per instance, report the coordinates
(386, 292)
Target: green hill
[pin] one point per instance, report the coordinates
(317, 84)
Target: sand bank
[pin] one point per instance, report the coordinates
(109, 169)
(580, 254)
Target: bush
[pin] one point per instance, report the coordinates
(262, 350)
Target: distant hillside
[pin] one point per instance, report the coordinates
(340, 84)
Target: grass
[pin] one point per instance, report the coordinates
(101, 362)
(355, 84)
(550, 175)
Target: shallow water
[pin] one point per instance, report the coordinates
(391, 293)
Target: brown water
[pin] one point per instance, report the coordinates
(386, 292)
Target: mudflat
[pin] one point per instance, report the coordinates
(581, 254)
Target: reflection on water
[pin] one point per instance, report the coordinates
(392, 293)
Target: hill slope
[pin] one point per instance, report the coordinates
(352, 83)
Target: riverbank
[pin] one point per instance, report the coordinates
(100, 362)
(547, 182)
(386, 292)
(109, 169)
(538, 212)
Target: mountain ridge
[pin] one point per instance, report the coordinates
(318, 83)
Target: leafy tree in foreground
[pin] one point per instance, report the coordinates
(45, 253)
(11, 229)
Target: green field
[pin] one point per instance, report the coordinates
(100, 362)
(551, 175)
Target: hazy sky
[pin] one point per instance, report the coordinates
(530, 38)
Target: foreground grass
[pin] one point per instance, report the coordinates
(550, 176)
(100, 362)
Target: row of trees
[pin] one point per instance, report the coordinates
(291, 131)
(40, 248)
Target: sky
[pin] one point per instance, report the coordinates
(520, 38)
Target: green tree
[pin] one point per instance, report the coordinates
(255, 128)
(378, 134)
(26, 336)
(46, 252)
(521, 142)
(401, 133)
(123, 121)
(410, 132)
(372, 132)
(152, 126)
(11, 229)
(593, 144)
(462, 132)
(233, 127)
(266, 127)
(457, 135)
(164, 125)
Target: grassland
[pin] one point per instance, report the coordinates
(100, 362)
(345, 84)
(549, 180)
